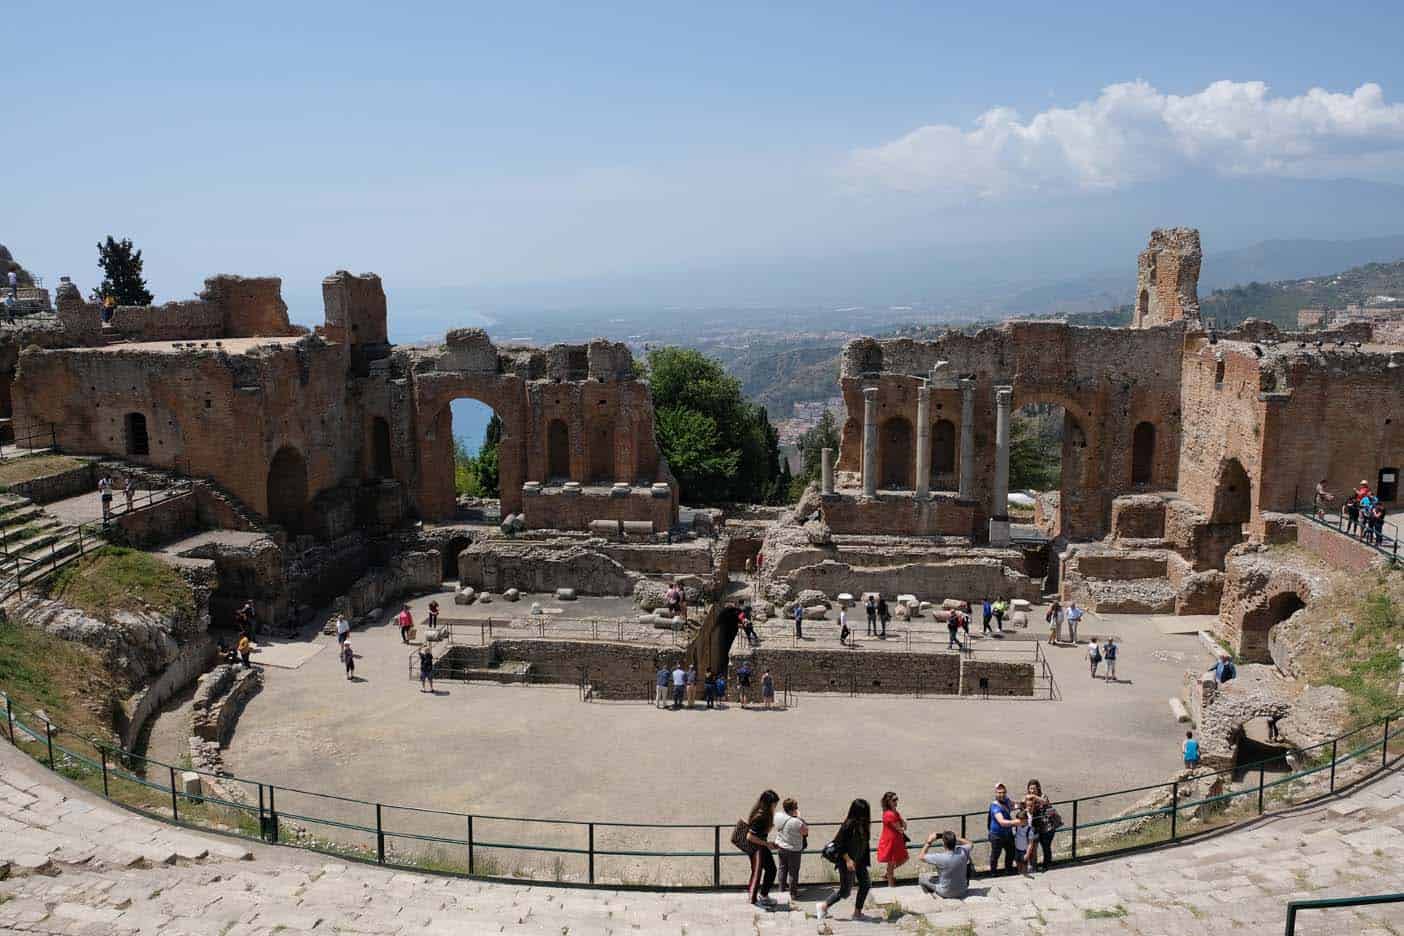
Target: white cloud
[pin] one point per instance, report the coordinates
(1133, 133)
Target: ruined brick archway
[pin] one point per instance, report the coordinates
(943, 455)
(895, 454)
(1081, 500)
(1233, 493)
(600, 443)
(1143, 453)
(287, 489)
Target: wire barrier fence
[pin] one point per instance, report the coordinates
(657, 855)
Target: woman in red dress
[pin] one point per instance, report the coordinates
(892, 844)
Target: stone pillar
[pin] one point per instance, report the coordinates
(870, 432)
(826, 472)
(923, 442)
(967, 438)
(999, 504)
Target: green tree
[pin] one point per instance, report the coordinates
(823, 434)
(477, 475)
(1035, 456)
(121, 273)
(720, 447)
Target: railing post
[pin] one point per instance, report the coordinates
(102, 752)
(10, 719)
(1174, 807)
(716, 856)
(1333, 764)
(470, 844)
(962, 826)
(49, 736)
(1291, 918)
(1074, 831)
(592, 853)
(1384, 744)
(262, 818)
(272, 815)
(1260, 789)
(175, 813)
(379, 837)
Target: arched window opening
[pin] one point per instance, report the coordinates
(895, 454)
(1143, 453)
(382, 464)
(287, 489)
(558, 451)
(943, 452)
(138, 442)
(602, 451)
(1233, 494)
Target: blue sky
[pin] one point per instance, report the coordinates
(503, 146)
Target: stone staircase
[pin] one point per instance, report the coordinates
(31, 541)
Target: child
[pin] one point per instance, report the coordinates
(1025, 841)
(721, 689)
(768, 689)
(790, 839)
(348, 656)
(843, 627)
(1190, 749)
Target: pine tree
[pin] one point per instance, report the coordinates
(121, 274)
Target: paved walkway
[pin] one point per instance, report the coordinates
(71, 863)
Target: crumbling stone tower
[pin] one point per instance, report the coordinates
(1167, 278)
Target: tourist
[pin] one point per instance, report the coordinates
(965, 612)
(1351, 513)
(884, 615)
(709, 689)
(348, 656)
(760, 562)
(1001, 830)
(14, 284)
(1054, 619)
(661, 681)
(245, 648)
(1190, 751)
(426, 667)
(749, 566)
(952, 864)
(1272, 721)
(1109, 654)
(953, 630)
(1377, 521)
(679, 685)
(10, 309)
(768, 689)
(1046, 820)
(758, 826)
(674, 599)
(721, 690)
(690, 682)
(851, 844)
(433, 622)
(246, 618)
(1362, 491)
(1074, 618)
(1000, 607)
(406, 622)
(1322, 498)
(1025, 841)
(746, 625)
(343, 628)
(988, 614)
(743, 682)
(129, 491)
(109, 306)
(872, 609)
(1094, 655)
(892, 841)
(791, 837)
(799, 621)
(844, 632)
(1224, 670)
(105, 489)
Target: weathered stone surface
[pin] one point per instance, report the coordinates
(496, 565)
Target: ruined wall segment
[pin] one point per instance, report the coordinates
(1167, 278)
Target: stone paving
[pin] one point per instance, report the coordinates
(71, 863)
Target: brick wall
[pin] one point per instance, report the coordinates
(160, 522)
(554, 508)
(899, 515)
(1337, 549)
(1001, 678)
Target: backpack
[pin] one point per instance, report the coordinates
(832, 852)
(1096, 656)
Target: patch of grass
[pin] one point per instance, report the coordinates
(40, 670)
(1115, 913)
(29, 467)
(118, 579)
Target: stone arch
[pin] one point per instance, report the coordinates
(1258, 622)
(452, 548)
(287, 489)
(138, 442)
(601, 450)
(943, 452)
(1233, 493)
(382, 463)
(557, 450)
(895, 453)
(1082, 506)
(1143, 453)
(1142, 306)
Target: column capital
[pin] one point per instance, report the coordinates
(869, 393)
(967, 385)
(1004, 396)
(924, 391)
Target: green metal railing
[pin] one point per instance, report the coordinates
(582, 852)
(1333, 903)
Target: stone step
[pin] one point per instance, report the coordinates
(12, 502)
(21, 516)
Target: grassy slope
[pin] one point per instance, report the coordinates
(119, 579)
(29, 467)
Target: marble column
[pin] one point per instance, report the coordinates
(826, 472)
(923, 442)
(870, 433)
(967, 438)
(999, 503)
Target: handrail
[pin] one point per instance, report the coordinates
(1392, 537)
(1331, 903)
(268, 813)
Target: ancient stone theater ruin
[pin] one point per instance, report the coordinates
(310, 475)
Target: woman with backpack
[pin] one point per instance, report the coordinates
(758, 825)
(849, 851)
